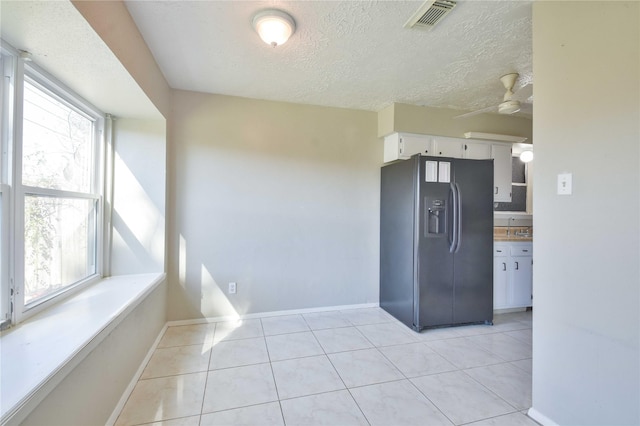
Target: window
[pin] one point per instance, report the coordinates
(59, 205)
(54, 185)
(518, 188)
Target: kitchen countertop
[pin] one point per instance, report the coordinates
(504, 234)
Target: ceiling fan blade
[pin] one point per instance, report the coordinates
(524, 93)
(526, 108)
(476, 112)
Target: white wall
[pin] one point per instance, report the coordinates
(88, 395)
(281, 198)
(138, 213)
(586, 328)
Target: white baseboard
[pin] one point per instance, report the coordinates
(508, 310)
(132, 384)
(540, 418)
(272, 314)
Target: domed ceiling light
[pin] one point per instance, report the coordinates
(526, 156)
(274, 26)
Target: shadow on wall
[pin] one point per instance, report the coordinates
(203, 290)
(138, 214)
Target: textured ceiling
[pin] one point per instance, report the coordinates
(51, 31)
(352, 54)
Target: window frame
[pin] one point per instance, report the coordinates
(13, 283)
(8, 61)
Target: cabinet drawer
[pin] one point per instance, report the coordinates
(521, 251)
(499, 251)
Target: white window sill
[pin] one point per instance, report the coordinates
(36, 355)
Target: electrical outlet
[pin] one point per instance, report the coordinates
(232, 288)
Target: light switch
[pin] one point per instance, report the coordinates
(564, 184)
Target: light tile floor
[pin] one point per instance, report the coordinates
(352, 367)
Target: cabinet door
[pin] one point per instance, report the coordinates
(447, 147)
(477, 150)
(399, 146)
(391, 147)
(412, 145)
(521, 281)
(501, 155)
(500, 278)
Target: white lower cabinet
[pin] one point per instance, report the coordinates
(512, 275)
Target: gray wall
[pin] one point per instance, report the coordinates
(281, 198)
(586, 327)
(138, 215)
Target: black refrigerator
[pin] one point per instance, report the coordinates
(436, 241)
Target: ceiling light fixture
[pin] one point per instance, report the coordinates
(526, 156)
(274, 26)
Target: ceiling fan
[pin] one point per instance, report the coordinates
(511, 102)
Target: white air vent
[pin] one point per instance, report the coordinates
(430, 13)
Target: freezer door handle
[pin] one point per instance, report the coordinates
(454, 222)
(459, 223)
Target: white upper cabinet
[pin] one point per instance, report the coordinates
(401, 146)
(477, 150)
(501, 154)
(447, 147)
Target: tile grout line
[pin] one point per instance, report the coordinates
(344, 384)
(432, 403)
(206, 377)
(338, 373)
(138, 381)
(492, 392)
(483, 385)
(273, 375)
(466, 338)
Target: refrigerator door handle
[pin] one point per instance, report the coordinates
(454, 221)
(459, 215)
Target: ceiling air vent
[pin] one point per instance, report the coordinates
(430, 13)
